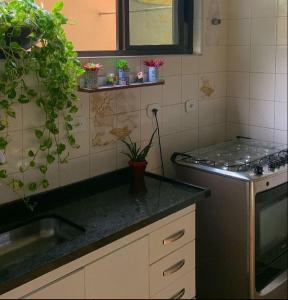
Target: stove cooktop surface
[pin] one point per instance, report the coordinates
(240, 155)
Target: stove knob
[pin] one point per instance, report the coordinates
(272, 166)
(258, 170)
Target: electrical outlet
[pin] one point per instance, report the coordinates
(190, 106)
(150, 109)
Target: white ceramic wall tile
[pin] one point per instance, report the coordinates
(263, 8)
(127, 100)
(282, 31)
(260, 133)
(190, 64)
(101, 133)
(263, 59)
(171, 119)
(219, 109)
(221, 85)
(238, 85)
(239, 9)
(262, 86)
(128, 124)
(238, 32)
(263, 31)
(281, 87)
(281, 60)
(238, 59)
(172, 65)
(281, 136)
(211, 135)
(153, 157)
(189, 120)
(103, 162)
(151, 95)
(75, 170)
(189, 140)
(190, 87)
(281, 113)
(207, 86)
(32, 116)
(282, 8)
(83, 105)
(206, 113)
(238, 110)
(172, 90)
(261, 113)
(148, 125)
(234, 130)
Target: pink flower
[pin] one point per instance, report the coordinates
(92, 67)
(156, 63)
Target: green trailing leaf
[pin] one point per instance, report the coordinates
(38, 133)
(3, 143)
(3, 174)
(54, 66)
(50, 159)
(45, 184)
(32, 186)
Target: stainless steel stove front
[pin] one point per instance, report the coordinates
(226, 233)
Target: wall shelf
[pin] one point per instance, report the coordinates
(120, 87)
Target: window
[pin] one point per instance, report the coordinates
(128, 27)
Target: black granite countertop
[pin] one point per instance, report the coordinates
(105, 207)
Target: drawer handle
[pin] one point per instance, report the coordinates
(175, 268)
(173, 238)
(179, 295)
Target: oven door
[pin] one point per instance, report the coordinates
(271, 246)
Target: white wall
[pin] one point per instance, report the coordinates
(257, 69)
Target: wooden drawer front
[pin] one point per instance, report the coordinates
(70, 287)
(183, 288)
(171, 268)
(171, 237)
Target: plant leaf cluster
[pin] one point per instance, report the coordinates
(137, 153)
(39, 66)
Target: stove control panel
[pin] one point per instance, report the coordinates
(271, 164)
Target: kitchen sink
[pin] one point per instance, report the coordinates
(31, 238)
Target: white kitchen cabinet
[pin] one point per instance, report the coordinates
(123, 274)
(70, 287)
(157, 261)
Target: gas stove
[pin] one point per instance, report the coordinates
(241, 156)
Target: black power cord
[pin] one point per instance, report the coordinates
(155, 112)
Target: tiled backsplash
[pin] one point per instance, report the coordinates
(257, 69)
(254, 91)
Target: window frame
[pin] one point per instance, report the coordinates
(185, 45)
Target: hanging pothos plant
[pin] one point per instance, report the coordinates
(33, 44)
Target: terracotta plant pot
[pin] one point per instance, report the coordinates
(138, 168)
(138, 186)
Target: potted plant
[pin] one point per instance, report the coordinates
(137, 156)
(123, 68)
(52, 60)
(153, 69)
(91, 75)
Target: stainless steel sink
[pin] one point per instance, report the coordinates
(32, 238)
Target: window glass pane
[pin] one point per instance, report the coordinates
(153, 22)
(92, 23)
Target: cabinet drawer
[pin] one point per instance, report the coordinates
(171, 237)
(183, 288)
(171, 268)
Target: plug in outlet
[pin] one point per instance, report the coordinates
(190, 106)
(150, 109)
